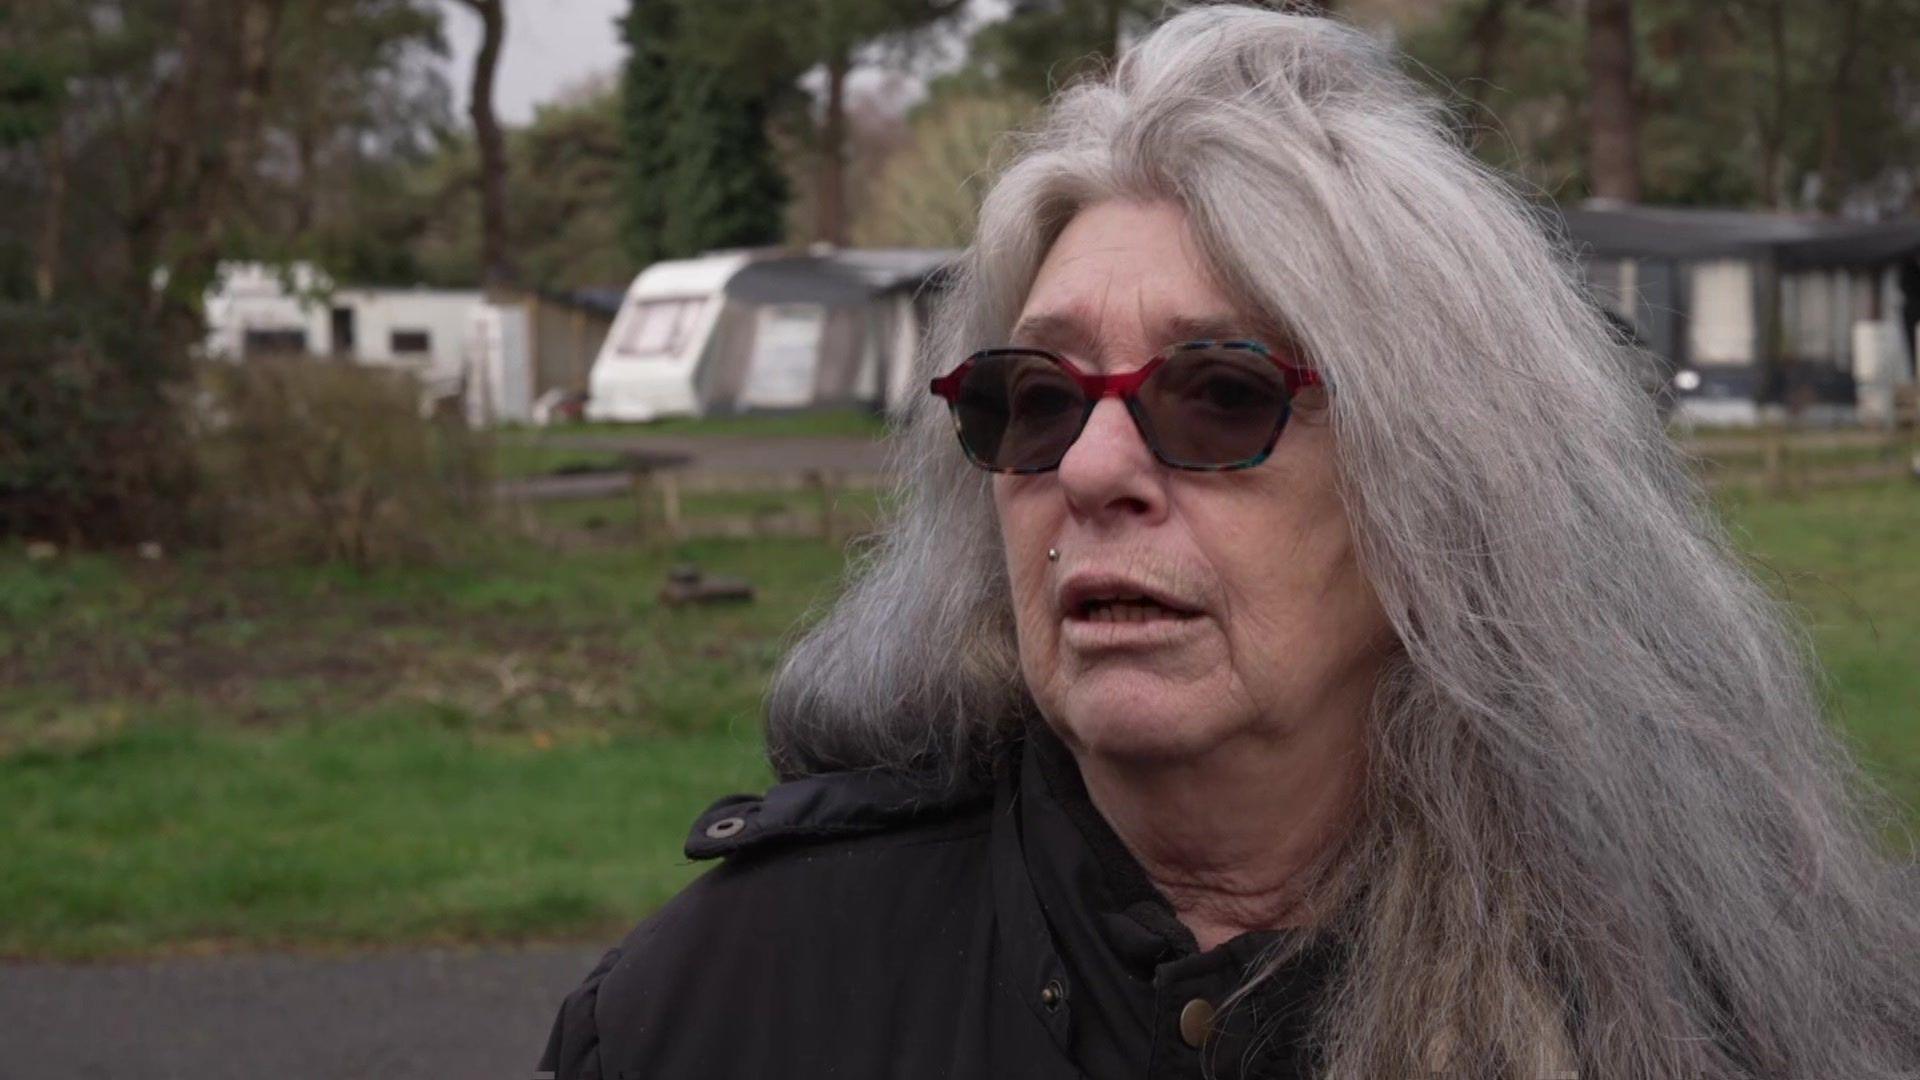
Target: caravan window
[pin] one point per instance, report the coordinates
(410, 341)
(659, 327)
(256, 340)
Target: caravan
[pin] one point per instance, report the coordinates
(512, 360)
(744, 331)
(255, 309)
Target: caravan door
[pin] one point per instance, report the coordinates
(499, 372)
(786, 352)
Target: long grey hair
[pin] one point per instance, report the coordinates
(1606, 826)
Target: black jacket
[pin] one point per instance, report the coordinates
(862, 927)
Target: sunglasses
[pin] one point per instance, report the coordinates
(1201, 405)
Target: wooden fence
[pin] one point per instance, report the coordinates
(822, 509)
(836, 505)
(1775, 460)
(1788, 461)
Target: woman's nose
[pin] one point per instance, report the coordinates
(1109, 467)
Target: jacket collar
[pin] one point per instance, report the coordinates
(1125, 965)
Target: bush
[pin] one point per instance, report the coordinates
(92, 448)
(310, 459)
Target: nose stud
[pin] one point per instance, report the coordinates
(1053, 554)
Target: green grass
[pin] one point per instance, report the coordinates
(382, 826)
(196, 755)
(1848, 561)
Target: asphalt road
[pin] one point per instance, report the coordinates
(409, 1015)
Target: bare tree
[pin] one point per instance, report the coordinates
(830, 208)
(496, 265)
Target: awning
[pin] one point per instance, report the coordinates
(1676, 233)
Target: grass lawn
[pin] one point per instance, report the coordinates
(194, 756)
(1848, 560)
(198, 756)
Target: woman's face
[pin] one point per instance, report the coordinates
(1275, 631)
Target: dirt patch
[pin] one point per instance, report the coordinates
(254, 664)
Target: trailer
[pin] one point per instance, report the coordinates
(767, 330)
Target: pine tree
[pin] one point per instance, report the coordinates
(645, 90)
(701, 172)
(770, 43)
(722, 186)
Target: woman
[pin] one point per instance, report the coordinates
(1365, 693)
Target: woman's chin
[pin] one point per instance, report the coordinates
(1133, 726)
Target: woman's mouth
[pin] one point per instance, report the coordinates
(1134, 609)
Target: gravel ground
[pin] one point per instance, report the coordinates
(439, 1013)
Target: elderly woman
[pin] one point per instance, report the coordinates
(1311, 660)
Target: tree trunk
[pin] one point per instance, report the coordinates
(253, 66)
(165, 166)
(1833, 163)
(1613, 129)
(1488, 32)
(306, 192)
(830, 201)
(1771, 121)
(46, 256)
(496, 264)
(206, 134)
(243, 73)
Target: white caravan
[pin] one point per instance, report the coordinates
(766, 330)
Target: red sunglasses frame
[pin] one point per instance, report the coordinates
(1126, 386)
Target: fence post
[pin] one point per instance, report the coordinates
(669, 486)
(823, 483)
(640, 484)
(1905, 432)
(1774, 460)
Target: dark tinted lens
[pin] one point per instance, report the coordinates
(1019, 411)
(1214, 406)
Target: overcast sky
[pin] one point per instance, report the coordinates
(553, 45)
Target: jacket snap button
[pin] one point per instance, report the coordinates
(1196, 1020)
(1052, 994)
(726, 827)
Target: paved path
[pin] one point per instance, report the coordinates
(734, 455)
(742, 453)
(438, 1014)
